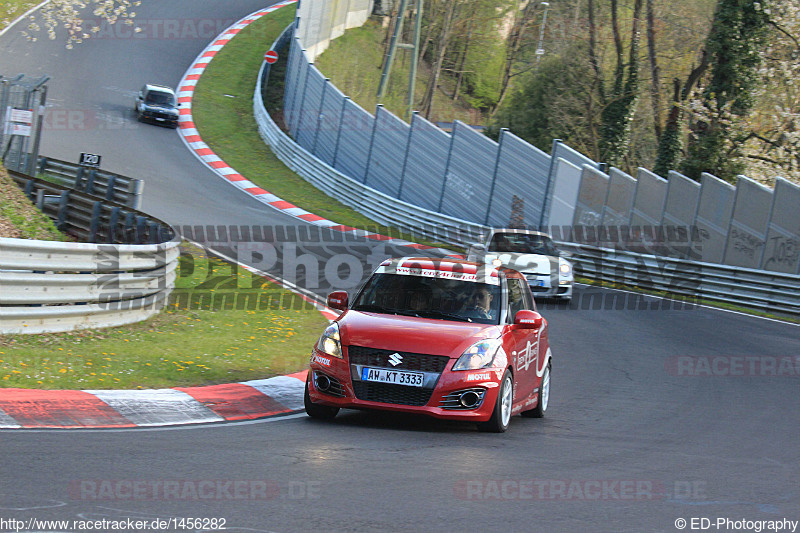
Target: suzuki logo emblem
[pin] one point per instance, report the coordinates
(395, 359)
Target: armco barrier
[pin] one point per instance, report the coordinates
(689, 280)
(50, 286)
(114, 187)
(751, 288)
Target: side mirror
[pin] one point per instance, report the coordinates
(527, 319)
(338, 300)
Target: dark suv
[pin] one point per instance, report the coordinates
(157, 104)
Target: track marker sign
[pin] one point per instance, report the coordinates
(89, 160)
(271, 57)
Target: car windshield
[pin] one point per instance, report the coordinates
(159, 98)
(438, 298)
(524, 243)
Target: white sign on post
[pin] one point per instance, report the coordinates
(18, 122)
(22, 115)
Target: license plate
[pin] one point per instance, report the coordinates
(395, 377)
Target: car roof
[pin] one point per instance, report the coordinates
(156, 87)
(447, 264)
(522, 231)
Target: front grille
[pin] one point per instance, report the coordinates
(388, 393)
(158, 114)
(373, 357)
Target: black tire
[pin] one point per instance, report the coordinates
(501, 416)
(318, 411)
(544, 397)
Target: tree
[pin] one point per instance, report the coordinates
(738, 35)
(554, 101)
(68, 14)
(620, 103)
(439, 53)
(522, 20)
(773, 144)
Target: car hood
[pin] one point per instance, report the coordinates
(412, 334)
(541, 264)
(161, 107)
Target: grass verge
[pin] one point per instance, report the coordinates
(223, 325)
(10, 10)
(222, 108)
(19, 218)
(353, 63)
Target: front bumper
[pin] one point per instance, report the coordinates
(159, 117)
(440, 397)
(549, 286)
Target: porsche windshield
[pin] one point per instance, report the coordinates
(524, 243)
(430, 297)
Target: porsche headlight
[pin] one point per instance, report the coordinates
(330, 342)
(564, 267)
(480, 355)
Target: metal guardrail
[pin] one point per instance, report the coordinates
(763, 290)
(689, 280)
(114, 187)
(50, 286)
(379, 207)
(91, 218)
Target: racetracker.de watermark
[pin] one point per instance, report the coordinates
(581, 490)
(733, 366)
(192, 490)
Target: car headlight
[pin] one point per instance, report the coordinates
(480, 355)
(330, 341)
(564, 267)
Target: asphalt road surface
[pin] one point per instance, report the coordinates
(656, 415)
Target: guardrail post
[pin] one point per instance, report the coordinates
(79, 185)
(113, 220)
(94, 224)
(90, 181)
(130, 227)
(63, 207)
(42, 165)
(29, 184)
(154, 232)
(135, 198)
(141, 229)
(112, 181)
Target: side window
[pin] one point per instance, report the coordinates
(518, 298)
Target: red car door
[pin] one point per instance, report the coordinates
(526, 353)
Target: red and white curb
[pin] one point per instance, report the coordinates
(65, 409)
(206, 155)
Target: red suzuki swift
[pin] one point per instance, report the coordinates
(447, 338)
